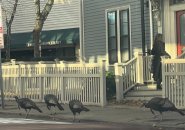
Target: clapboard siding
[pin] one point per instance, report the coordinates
(62, 16)
(95, 26)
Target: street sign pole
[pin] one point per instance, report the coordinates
(1, 84)
(1, 46)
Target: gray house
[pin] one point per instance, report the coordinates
(115, 30)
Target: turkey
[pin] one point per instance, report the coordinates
(76, 107)
(161, 105)
(27, 104)
(52, 101)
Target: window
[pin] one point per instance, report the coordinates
(118, 35)
(176, 1)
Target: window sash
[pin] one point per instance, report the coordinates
(118, 35)
(112, 36)
(124, 35)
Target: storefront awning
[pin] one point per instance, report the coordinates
(51, 37)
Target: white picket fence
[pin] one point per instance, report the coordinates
(173, 72)
(86, 82)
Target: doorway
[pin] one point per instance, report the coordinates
(180, 24)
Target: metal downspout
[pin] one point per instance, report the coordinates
(143, 26)
(151, 25)
(81, 31)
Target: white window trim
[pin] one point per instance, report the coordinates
(118, 36)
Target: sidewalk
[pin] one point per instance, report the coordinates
(110, 113)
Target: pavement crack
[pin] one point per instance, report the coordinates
(134, 120)
(181, 123)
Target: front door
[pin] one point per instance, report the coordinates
(180, 23)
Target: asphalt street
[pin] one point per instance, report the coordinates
(35, 124)
(108, 117)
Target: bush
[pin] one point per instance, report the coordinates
(110, 85)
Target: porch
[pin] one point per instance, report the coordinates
(134, 80)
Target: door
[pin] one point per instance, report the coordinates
(180, 23)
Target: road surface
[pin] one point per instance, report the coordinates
(37, 124)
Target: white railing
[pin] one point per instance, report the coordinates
(126, 77)
(86, 82)
(173, 72)
(144, 68)
(147, 66)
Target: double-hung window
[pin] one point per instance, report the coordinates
(118, 35)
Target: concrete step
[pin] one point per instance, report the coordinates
(140, 98)
(148, 86)
(143, 94)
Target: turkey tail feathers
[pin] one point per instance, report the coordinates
(60, 107)
(85, 109)
(38, 109)
(180, 112)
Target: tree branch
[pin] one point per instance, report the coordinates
(13, 13)
(47, 9)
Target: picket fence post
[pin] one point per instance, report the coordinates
(119, 81)
(103, 84)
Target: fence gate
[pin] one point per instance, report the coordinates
(173, 71)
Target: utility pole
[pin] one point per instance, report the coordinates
(1, 46)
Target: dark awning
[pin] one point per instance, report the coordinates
(51, 37)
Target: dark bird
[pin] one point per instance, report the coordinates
(76, 107)
(161, 105)
(27, 104)
(52, 101)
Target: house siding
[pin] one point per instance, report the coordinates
(95, 26)
(62, 16)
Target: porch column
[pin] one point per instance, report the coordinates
(103, 99)
(119, 81)
(151, 25)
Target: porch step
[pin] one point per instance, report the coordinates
(146, 87)
(143, 94)
(150, 86)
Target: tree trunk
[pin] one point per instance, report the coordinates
(8, 42)
(36, 37)
(39, 22)
(8, 25)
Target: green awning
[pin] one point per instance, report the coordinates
(51, 37)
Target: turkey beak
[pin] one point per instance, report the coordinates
(142, 105)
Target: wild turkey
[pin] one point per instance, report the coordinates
(52, 101)
(161, 105)
(76, 107)
(27, 104)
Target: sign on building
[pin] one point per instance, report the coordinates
(1, 30)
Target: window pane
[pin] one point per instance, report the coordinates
(124, 35)
(176, 1)
(112, 45)
(124, 29)
(112, 30)
(112, 56)
(112, 23)
(182, 29)
(112, 37)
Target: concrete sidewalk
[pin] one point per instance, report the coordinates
(110, 113)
